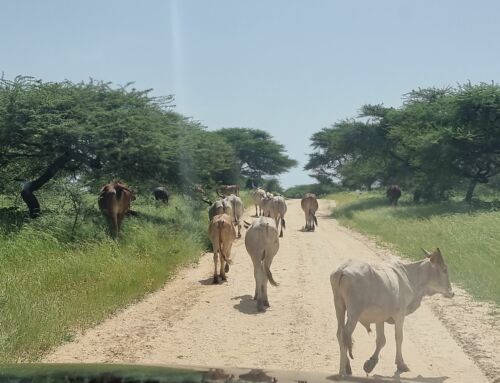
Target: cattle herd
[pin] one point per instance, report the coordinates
(363, 292)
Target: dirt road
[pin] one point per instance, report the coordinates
(192, 322)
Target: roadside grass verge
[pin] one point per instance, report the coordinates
(55, 281)
(468, 235)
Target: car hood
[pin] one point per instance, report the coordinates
(115, 373)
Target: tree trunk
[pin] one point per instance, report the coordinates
(470, 190)
(32, 186)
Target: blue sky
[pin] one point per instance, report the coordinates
(289, 67)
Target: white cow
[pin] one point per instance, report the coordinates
(261, 242)
(257, 196)
(275, 207)
(237, 208)
(371, 293)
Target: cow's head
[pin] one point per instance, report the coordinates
(438, 279)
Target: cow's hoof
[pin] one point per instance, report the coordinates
(370, 365)
(266, 304)
(216, 281)
(261, 309)
(239, 235)
(281, 235)
(403, 368)
(226, 268)
(223, 277)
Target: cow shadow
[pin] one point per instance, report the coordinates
(246, 305)
(210, 281)
(387, 379)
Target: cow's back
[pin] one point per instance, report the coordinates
(262, 235)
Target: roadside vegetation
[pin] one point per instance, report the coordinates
(59, 143)
(467, 233)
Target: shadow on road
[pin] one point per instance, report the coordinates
(247, 305)
(386, 379)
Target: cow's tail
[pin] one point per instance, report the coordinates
(283, 223)
(268, 270)
(335, 280)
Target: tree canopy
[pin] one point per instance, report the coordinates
(433, 143)
(95, 132)
(257, 153)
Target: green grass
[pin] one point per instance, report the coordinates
(468, 235)
(55, 281)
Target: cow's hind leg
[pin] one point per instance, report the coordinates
(216, 279)
(222, 267)
(372, 362)
(340, 309)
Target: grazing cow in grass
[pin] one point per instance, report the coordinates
(374, 293)
(237, 207)
(261, 242)
(257, 196)
(309, 205)
(160, 194)
(114, 202)
(393, 193)
(275, 207)
(222, 234)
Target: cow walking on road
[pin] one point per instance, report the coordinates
(275, 207)
(222, 234)
(261, 242)
(371, 293)
(309, 205)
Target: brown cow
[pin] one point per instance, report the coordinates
(226, 190)
(114, 202)
(222, 235)
(393, 193)
(309, 205)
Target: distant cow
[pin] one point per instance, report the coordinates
(257, 196)
(261, 242)
(220, 206)
(309, 205)
(222, 234)
(114, 202)
(160, 194)
(393, 193)
(275, 207)
(237, 207)
(373, 293)
(226, 190)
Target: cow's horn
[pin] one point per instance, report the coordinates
(426, 252)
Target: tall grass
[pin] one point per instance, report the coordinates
(56, 280)
(467, 234)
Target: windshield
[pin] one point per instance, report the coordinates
(302, 186)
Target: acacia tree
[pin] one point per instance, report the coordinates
(98, 133)
(256, 152)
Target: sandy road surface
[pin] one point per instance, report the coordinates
(192, 322)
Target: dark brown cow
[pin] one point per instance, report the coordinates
(160, 194)
(114, 202)
(226, 190)
(393, 193)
